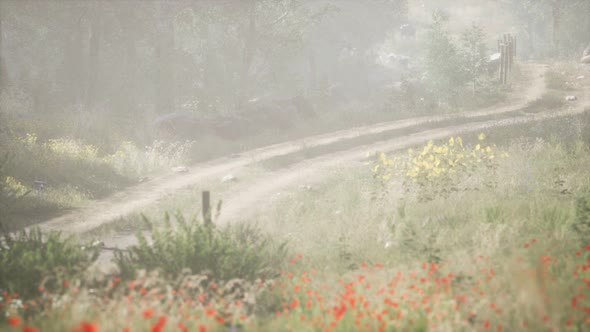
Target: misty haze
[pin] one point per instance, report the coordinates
(294, 165)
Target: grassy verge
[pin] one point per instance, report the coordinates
(61, 174)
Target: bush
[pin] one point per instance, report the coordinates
(457, 67)
(30, 259)
(446, 77)
(439, 170)
(237, 251)
(582, 223)
(8, 194)
(131, 161)
(474, 53)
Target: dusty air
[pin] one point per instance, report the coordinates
(294, 165)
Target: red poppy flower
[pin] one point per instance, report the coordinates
(14, 321)
(148, 313)
(30, 329)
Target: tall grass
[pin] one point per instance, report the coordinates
(64, 173)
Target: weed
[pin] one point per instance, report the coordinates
(237, 251)
(553, 218)
(439, 170)
(8, 191)
(582, 222)
(30, 259)
(494, 214)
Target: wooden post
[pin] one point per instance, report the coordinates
(502, 55)
(206, 198)
(507, 52)
(514, 46)
(511, 52)
(506, 63)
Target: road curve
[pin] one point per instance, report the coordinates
(121, 204)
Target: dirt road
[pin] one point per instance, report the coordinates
(238, 204)
(119, 205)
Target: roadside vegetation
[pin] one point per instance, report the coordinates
(506, 250)
(486, 231)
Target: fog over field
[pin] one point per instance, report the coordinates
(294, 165)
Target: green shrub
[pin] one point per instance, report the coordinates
(438, 170)
(582, 221)
(29, 259)
(445, 74)
(7, 193)
(237, 251)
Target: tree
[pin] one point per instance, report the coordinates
(3, 69)
(552, 27)
(446, 76)
(474, 53)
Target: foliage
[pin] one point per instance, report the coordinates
(456, 67)
(66, 172)
(128, 159)
(445, 74)
(131, 161)
(582, 222)
(439, 170)
(480, 295)
(474, 53)
(30, 259)
(237, 251)
(551, 27)
(411, 96)
(9, 189)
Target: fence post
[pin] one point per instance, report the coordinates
(506, 63)
(206, 200)
(502, 55)
(507, 52)
(511, 43)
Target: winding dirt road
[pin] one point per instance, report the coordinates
(123, 203)
(238, 204)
